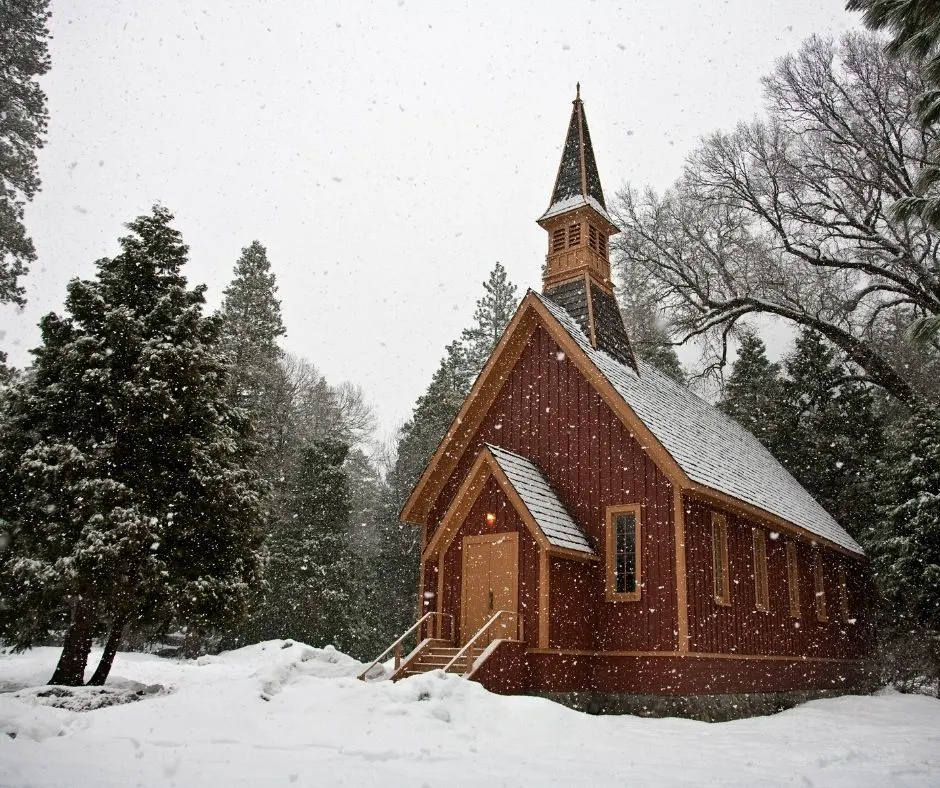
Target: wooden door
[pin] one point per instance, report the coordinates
(490, 583)
(476, 586)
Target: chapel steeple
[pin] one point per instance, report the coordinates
(576, 221)
(577, 269)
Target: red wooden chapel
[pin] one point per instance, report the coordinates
(595, 532)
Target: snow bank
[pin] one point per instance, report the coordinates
(283, 713)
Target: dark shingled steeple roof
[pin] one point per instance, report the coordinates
(578, 182)
(601, 322)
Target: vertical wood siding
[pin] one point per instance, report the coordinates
(740, 627)
(574, 619)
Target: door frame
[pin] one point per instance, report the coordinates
(512, 536)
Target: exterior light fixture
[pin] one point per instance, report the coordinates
(490, 519)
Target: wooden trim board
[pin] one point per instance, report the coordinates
(682, 587)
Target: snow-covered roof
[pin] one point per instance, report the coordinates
(711, 448)
(572, 202)
(541, 500)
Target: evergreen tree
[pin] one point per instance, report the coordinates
(418, 439)
(752, 392)
(251, 328)
(24, 55)
(123, 472)
(905, 547)
(822, 426)
(436, 409)
(312, 570)
(493, 313)
(434, 412)
(829, 434)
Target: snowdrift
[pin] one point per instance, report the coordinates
(284, 713)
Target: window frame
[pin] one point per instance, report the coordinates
(613, 512)
(793, 580)
(761, 579)
(819, 587)
(722, 596)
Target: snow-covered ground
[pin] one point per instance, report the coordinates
(289, 715)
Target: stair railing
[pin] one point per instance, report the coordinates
(469, 652)
(396, 647)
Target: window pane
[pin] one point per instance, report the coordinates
(625, 558)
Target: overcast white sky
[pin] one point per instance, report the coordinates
(387, 153)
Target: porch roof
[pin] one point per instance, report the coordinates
(542, 501)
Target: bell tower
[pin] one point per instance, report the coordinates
(577, 269)
(576, 221)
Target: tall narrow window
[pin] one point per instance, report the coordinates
(722, 582)
(819, 587)
(761, 586)
(602, 244)
(843, 594)
(592, 236)
(793, 580)
(558, 239)
(574, 235)
(623, 553)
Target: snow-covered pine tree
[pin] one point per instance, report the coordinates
(823, 426)
(438, 406)
(251, 328)
(829, 434)
(24, 55)
(752, 391)
(126, 476)
(905, 545)
(493, 313)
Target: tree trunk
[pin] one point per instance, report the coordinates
(107, 657)
(70, 671)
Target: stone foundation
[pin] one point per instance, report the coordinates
(707, 708)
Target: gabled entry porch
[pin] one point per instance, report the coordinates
(492, 556)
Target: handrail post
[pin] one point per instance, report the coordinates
(397, 656)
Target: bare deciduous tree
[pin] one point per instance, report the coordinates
(789, 215)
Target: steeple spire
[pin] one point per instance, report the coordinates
(578, 182)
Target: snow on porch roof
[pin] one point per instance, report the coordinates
(712, 449)
(541, 500)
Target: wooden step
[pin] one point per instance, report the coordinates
(442, 658)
